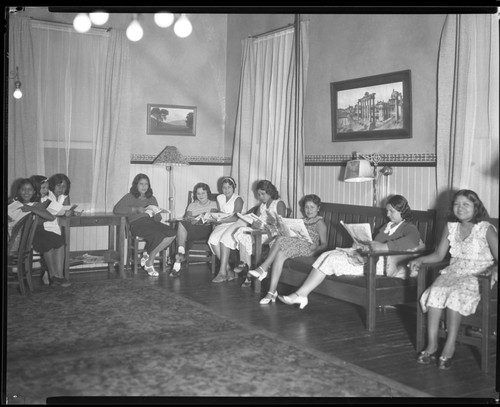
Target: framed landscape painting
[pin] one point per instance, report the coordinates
(372, 108)
(171, 120)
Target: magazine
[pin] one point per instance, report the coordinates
(293, 228)
(152, 210)
(361, 233)
(15, 212)
(249, 217)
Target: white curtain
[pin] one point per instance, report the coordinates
(80, 129)
(268, 140)
(468, 109)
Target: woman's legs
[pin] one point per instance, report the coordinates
(182, 235)
(266, 264)
(314, 279)
(279, 259)
(163, 245)
(433, 318)
(216, 250)
(54, 259)
(453, 319)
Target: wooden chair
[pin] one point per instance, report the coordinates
(479, 329)
(199, 251)
(19, 250)
(135, 248)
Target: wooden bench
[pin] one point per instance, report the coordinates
(369, 291)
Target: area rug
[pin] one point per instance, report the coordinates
(132, 338)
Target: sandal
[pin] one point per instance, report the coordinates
(219, 278)
(151, 271)
(241, 267)
(144, 259)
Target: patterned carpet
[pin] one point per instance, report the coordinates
(128, 337)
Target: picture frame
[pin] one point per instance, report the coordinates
(174, 120)
(372, 108)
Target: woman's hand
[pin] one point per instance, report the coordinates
(140, 209)
(377, 246)
(157, 217)
(414, 265)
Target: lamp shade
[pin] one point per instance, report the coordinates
(170, 156)
(358, 171)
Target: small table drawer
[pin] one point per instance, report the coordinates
(93, 221)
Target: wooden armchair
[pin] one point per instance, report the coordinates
(135, 248)
(479, 329)
(19, 250)
(199, 251)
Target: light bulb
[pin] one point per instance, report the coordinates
(134, 31)
(164, 19)
(17, 93)
(183, 27)
(99, 17)
(82, 23)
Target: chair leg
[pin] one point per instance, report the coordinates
(28, 275)
(20, 278)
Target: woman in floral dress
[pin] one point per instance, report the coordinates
(284, 247)
(473, 244)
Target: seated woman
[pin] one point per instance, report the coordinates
(59, 187)
(236, 238)
(229, 203)
(473, 245)
(284, 247)
(48, 243)
(157, 235)
(397, 234)
(192, 227)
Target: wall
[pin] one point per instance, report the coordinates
(347, 47)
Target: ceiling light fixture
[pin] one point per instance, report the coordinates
(99, 17)
(17, 92)
(134, 30)
(82, 23)
(183, 27)
(164, 20)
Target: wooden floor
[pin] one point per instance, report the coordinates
(336, 328)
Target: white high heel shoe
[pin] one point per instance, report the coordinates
(260, 275)
(297, 299)
(266, 300)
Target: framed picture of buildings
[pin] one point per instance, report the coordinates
(372, 108)
(171, 120)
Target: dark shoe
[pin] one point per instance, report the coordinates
(426, 358)
(247, 282)
(175, 273)
(58, 281)
(241, 267)
(444, 363)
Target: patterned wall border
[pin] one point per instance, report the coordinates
(404, 160)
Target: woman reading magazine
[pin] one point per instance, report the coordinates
(301, 237)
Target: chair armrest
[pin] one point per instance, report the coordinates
(371, 253)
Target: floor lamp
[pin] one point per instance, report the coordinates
(170, 157)
(360, 170)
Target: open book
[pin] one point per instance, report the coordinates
(57, 209)
(361, 233)
(249, 217)
(152, 210)
(15, 212)
(293, 228)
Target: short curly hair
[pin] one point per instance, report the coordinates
(400, 203)
(203, 186)
(315, 199)
(268, 188)
(480, 212)
(57, 179)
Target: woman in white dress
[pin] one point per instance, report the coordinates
(236, 238)
(229, 202)
(473, 245)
